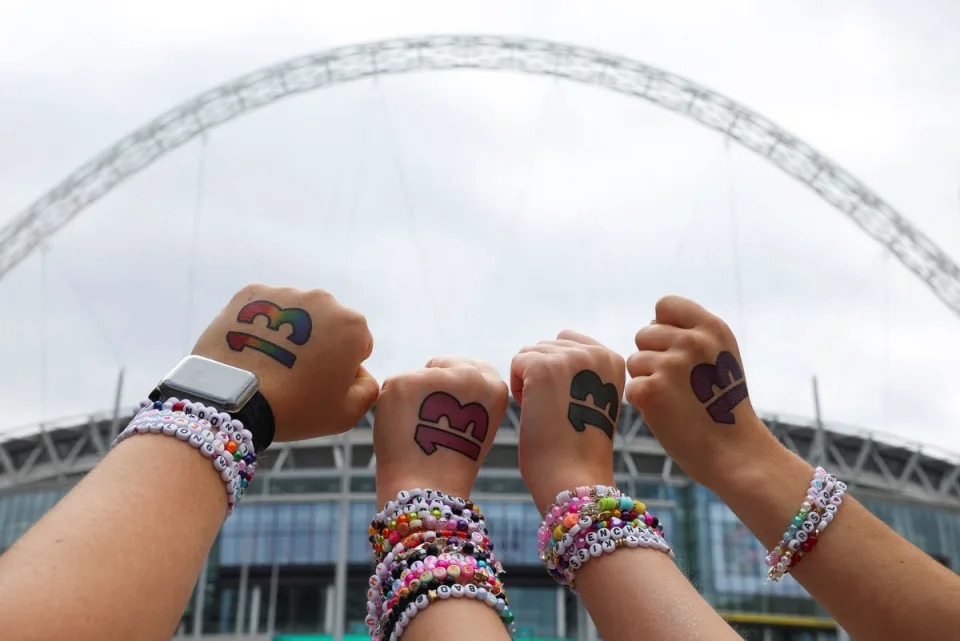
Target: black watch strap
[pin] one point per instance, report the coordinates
(256, 416)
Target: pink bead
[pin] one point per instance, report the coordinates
(466, 573)
(573, 509)
(430, 523)
(394, 537)
(491, 579)
(576, 502)
(442, 563)
(556, 512)
(452, 525)
(648, 518)
(583, 492)
(439, 573)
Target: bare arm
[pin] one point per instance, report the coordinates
(689, 382)
(409, 458)
(117, 558)
(641, 594)
(875, 583)
(630, 593)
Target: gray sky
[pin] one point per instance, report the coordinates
(475, 212)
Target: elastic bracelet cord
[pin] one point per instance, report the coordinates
(428, 547)
(215, 434)
(823, 500)
(590, 521)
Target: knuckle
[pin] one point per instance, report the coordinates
(690, 341)
(717, 326)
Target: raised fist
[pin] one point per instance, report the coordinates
(689, 384)
(569, 391)
(434, 426)
(307, 350)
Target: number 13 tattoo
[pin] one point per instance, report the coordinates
(298, 319)
(606, 403)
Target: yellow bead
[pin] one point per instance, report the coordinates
(558, 532)
(639, 507)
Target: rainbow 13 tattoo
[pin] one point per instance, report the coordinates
(301, 326)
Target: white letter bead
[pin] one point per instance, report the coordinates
(456, 590)
(575, 530)
(583, 554)
(608, 546)
(585, 522)
(443, 592)
(603, 534)
(575, 562)
(596, 549)
(632, 541)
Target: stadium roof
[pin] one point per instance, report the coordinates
(57, 454)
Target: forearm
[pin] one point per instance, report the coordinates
(876, 584)
(641, 594)
(117, 558)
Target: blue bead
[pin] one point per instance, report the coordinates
(158, 405)
(626, 503)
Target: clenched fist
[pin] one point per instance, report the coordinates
(434, 426)
(307, 350)
(569, 392)
(689, 384)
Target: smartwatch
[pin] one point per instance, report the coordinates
(229, 389)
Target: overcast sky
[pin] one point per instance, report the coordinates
(476, 212)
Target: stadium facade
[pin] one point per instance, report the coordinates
(292, 563)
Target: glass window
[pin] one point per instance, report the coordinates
(536, 610)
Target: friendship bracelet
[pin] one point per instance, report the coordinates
(823, 500)
(590, 521)
(430, 546)
(214, 434)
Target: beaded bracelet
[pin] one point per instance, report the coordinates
(430, 546)
(590, 521)
(823, 500)
(214, 434)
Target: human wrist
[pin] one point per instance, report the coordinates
(544, 487)
(748, 456)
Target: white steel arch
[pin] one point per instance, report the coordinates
(137, 150)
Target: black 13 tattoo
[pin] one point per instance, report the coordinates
(731, 387)
(606, 403)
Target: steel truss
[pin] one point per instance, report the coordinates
(212, 108)
(59, 457)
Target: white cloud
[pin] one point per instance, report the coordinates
(536, 204)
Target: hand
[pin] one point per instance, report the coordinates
(569, 392)
(688, 382)
(306, 348)
(434, 426)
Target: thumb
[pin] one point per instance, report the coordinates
(362, 393)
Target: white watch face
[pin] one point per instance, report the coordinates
(196, 378)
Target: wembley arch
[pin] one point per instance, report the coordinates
(137, 150)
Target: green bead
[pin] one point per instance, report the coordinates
(507, 615)
(237, 456)
(607, 503)
(797, 521)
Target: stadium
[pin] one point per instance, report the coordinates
(293, 562)
(294, 575)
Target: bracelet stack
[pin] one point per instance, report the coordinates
(213, 433)
(430, 546)
(824, 497)
(590, 521)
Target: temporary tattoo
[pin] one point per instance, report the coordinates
(298, 319)
(472, 417)
(727, 377)
(238, 341)
(602, 412)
